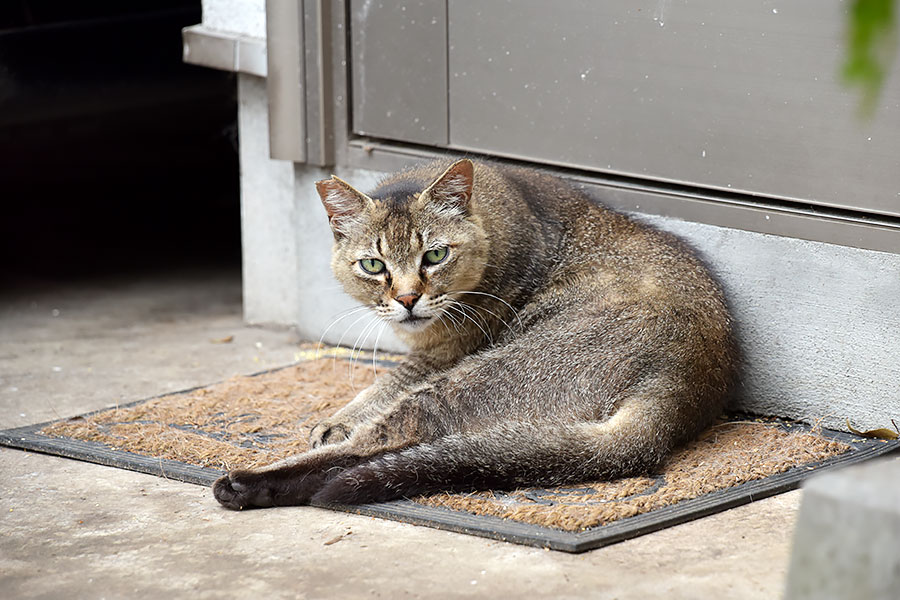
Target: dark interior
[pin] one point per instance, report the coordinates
(115, 156)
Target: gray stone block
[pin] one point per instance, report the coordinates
(847, 541)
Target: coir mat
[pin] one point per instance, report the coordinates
(196, 435)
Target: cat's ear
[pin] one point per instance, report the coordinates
(343, 203)
(452, 191)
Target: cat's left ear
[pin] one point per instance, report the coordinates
(452, 191)
(343, 203)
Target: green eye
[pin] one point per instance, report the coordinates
(372, 266)
(433, 257)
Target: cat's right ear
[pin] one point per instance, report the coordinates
(451, 192)
(343, 203)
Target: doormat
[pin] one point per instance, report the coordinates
(196, 435)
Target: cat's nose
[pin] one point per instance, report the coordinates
(408, 300)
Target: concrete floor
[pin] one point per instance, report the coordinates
(72, 529)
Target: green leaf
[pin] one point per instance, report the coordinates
(871, 45)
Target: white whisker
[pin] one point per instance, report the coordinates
(489, 311)
(375, 349)
(441, 320)
(335, 321)
(451, 318)
(459, 307)
(341, 339)
(354, 353)
(498, 298)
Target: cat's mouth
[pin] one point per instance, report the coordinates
(415, 323)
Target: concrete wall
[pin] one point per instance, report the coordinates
(245, 17)
(268, 214)
(847, 540)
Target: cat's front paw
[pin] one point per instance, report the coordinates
(328, 432)
(242, 489)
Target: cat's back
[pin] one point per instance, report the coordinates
(606, 258)
(591, 234)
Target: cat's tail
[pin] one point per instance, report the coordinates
(510, 455)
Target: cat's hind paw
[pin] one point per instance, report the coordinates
(359, 485)
(239, 490)
(327, 432)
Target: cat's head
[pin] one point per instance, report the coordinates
(409, 247)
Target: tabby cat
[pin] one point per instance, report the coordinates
(553, 341)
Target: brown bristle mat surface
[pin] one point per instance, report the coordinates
(243, 422)
(250, 421)
(729, 454)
